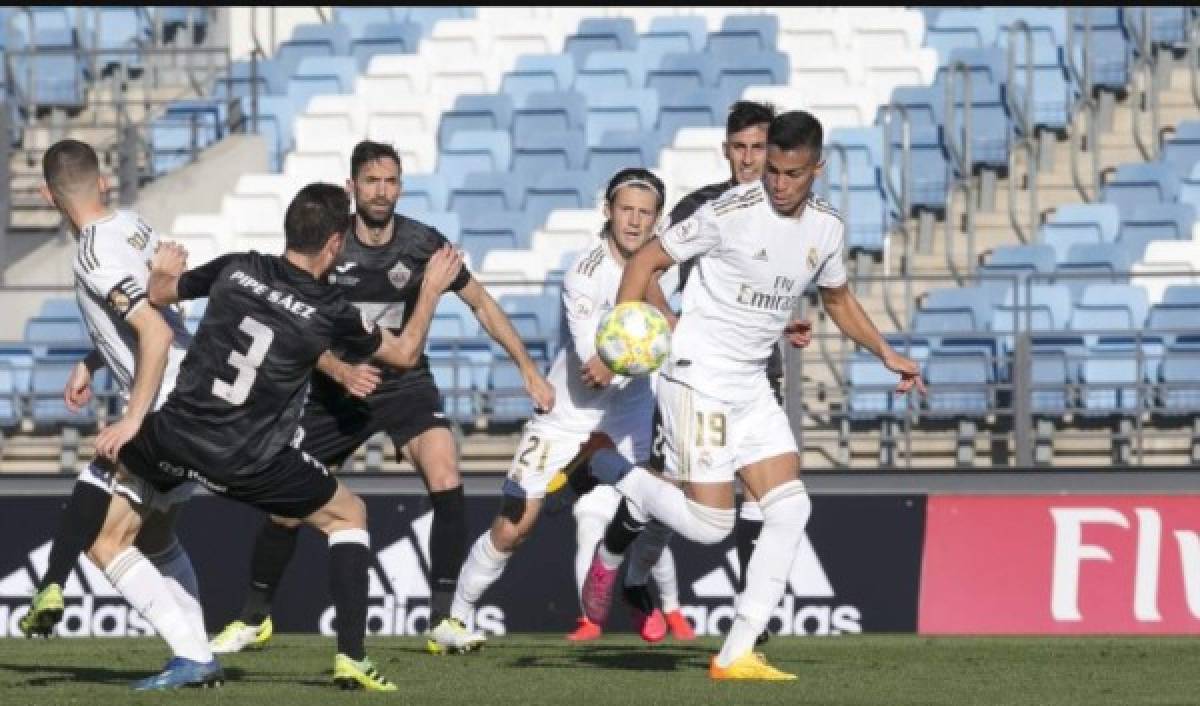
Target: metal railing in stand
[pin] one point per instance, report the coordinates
(1086, 107)
(899, 195)
(1145, 83)
(1021, 108)
(958, 148)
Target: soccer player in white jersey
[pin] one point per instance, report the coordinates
(757, 247)
(143, 347)
(592, 405)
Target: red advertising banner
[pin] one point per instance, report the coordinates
(1061, 565)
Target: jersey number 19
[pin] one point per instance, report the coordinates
(246, 363)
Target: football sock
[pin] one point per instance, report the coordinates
(745, 533)
(349, 558)
(589, 529)
(447, 545)
(176, 568)
(621, 531)
(273, 549)
(146, 590)
(485, 563)
(785, 513)
(665, 578)
(79, 524)
(667, 503)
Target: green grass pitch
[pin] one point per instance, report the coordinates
(545, 669)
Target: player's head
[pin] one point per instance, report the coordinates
(374, 181)
(72, 174)
(315, 224)
(633, 202)
(745, 144)
(793, 160)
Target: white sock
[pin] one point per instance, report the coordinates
(667, 503)
(668, 583)
(589, 530)
(750, 511)
(483, 566)
(146, 590)
(176, 568)
(785, 513)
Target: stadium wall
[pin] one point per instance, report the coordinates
(881, 555)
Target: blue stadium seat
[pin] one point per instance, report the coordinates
(275, 120)
(486, 231)
(312, 40)
(506, 391)
(358, 20)
(1110, 55)
(119, 28)
(864, 155)
(1182, 152)
(744, 34)
(1167, 322)
(958, 384)
(476, 112)
(1189, 188)
(1104, 217)
(1099, 261)
(1168, 25)
(47, 331)
(321, 75)
(976, 301)
(1049, 311)
(474, 151)
(598, 34)
(1180, 378)
(561, 189)
(1028, 259)
(1061, 236)
(384, 38)
(549, 111)
(736, 72)
(680, 73)
(960, 28)
(864, 212)
(1049, 376)
(545, 308)
(1108, 313)
(930, 170)
(634, 111)
(672, 34)
(1051, 101)
(871, 388)
(1110, 379)
(426, 192)
(538, 153)
(989, 123)
(1182, 294)
(538, 73)
(20, 359)
(1142, 183)
(1160, 221)
(10, 397)
(447, 223)
(46, 405)
(60, 307)
(705, 107)
(52, 77)
(428, 16)
(454, 378)
(268, 76)
(607, 70)
(988, 65)
(618, 149)
(483, 192)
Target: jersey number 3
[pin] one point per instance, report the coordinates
(246, 363)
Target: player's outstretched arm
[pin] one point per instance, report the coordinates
(78, 390)
(404, 351)
(154, 340)
(167, 266)
(493, 320)
(650, 260)
(843, 307)
(359, 380)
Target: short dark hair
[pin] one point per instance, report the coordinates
(67, 164)
(743, 114)
(314, 215)
(367, 151)
(796, 129)
(637, 177)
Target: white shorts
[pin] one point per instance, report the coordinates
(139, 492)
(706, 440)
(545, 450)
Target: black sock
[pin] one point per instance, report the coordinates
(272, 551)
(745, 535)
(447, 549)
(79, 524)
(622, 530)
(348, 563)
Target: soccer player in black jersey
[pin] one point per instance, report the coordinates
(381, 269)
(745, 148)
(230, 421)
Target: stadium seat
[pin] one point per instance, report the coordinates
(1167, 322)
(474, 151)
(426, 192)
(545, 112)
(457, 36)
(476, 112)
(1104, 217)
(680, 73)
(1182, 295)
(484, 192)
(958, 384)
(312, 40)
(394, 74)
(816, 32)
(881, 31)
(634, 111)
(320, 75)
(43, 331)
(598, 34)
(1107, 313)
(959, 28)
(1110, 381)
(1109, 55)
(672, 35)
(1100, 260)
(1165, 221)
(744, 34)
(53, 75)
(506, 392)
(735, 72)
(46, 406)
(1179, 374)
(11, 410)
(606, 70)
(358, 20)
(428, 17)
(555, 190)
(619, 149)
(871, 387)
(384, 38)
(538, 73)
(537, 154)
(454, 379)
(242, 78)
(118, 30)
(830, 71)
(1168, 25)
(483, 232)
(1051, 91)
(1144, 183)
(706, 107)
(61, 308)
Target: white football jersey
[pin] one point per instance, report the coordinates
(752, 267)
(112, 267)
(589, 292)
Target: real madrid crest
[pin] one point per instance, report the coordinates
(399, 275)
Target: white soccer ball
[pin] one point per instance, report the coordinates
(633, 339)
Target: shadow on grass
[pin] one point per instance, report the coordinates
(619, 657)
(54, 675)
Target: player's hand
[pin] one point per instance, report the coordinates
(908, 369)
(169, 258)
(112, 438)
(540, 391)
(595, 373)
(442, 269)
(359, 380)
(78, 391)
(798, 333)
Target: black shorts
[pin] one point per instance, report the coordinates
(292, 484)
(335, 424)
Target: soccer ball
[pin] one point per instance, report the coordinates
(633, 339)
